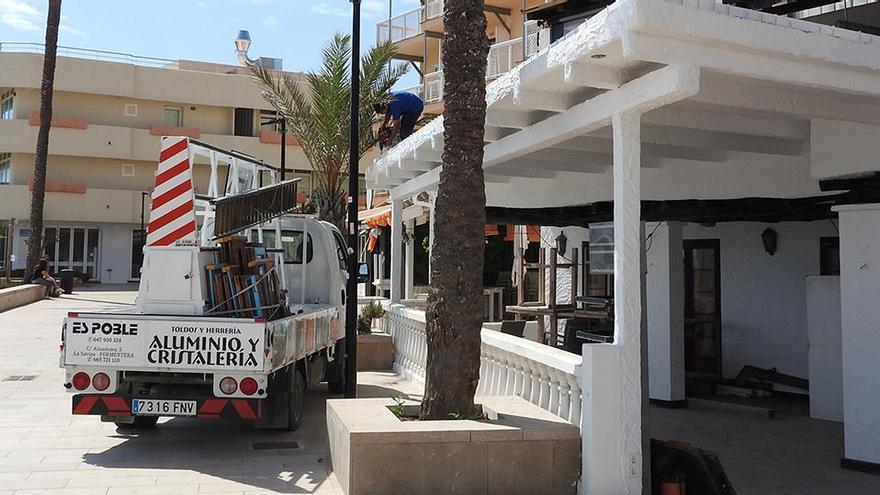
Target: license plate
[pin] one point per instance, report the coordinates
(161, 407)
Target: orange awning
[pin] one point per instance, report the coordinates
(491, 229)
(376, 217)
(533, 233)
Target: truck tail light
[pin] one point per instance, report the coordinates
(100, 381)
(248, 386)
(81, 381)
(228, 385)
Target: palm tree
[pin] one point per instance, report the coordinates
(40, 156)
(317, 114)
(455, 302)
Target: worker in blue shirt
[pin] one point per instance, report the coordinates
(403, 112)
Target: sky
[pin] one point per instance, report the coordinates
(294, 30)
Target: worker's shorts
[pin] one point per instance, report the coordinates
(407, 123)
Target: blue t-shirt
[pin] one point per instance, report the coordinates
(402, 103)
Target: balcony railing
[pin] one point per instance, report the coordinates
(503, 57)
(400, 27)
(434, 8)
(433, 87)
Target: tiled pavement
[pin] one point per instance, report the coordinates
(46, 450)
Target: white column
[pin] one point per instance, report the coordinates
(860, 338)
(409, 259)
(665, 302)
(396, 249)
(612, 398)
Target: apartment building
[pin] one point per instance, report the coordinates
(109, 112)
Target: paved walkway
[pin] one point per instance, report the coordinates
(46, 450)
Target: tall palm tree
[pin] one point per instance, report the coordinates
(47, 87)
(317, 114)
(455, 302)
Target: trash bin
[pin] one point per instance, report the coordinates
(67, 281)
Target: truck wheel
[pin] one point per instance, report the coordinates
(336, 371)
(140, 422)
(297, 398)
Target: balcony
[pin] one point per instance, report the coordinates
(502, 58)
(400, 27)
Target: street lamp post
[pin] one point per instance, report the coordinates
(353, 155)
(242, 45)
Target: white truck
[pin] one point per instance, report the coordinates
(240, 306)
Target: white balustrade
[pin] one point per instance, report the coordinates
(433, 86)
(503, 57)
(545, 376)
(433, 9)
(400, 27)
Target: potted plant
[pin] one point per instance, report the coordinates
(371, 313)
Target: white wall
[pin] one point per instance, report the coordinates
(763, 297)
(823, 322)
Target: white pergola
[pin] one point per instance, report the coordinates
(654, 99)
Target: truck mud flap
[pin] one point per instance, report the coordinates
(208, 408)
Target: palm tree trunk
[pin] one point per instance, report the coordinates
(40, 157)
(455, 303)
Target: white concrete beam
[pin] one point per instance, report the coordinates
(543, 100)
(658, 88)
(751, 63)
(671, 136)
(406, 164)
(512, 119)
(592, 75)
(496, 179)
(687, 115)
(559, 166)
(492, 134)
(416, 185)
(427, 154)
(727, 92)
(526, 171)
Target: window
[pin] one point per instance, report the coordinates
(829, 256)
(291, 243)
(128, 169)
(243, 124)
(5, 168)
(131, 110)
(174, 116)
(341, 254)
(592, 284)
(6, 105)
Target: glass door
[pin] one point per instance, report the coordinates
(702, 307)
(72, 248)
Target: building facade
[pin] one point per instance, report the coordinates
(108, 117)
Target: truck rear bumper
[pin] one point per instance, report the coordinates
(206, 407)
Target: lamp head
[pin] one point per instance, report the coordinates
(243, 41)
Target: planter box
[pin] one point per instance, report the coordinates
(526, 450)
(375, 352)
